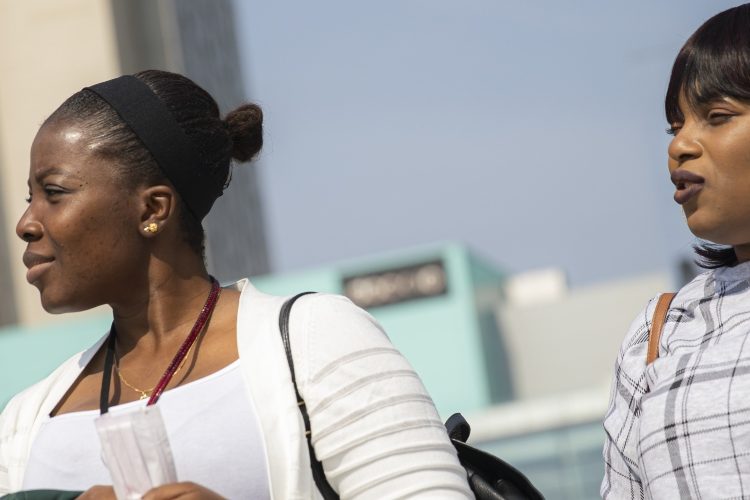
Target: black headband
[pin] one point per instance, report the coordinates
(155, 126)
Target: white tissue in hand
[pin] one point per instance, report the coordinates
(136, 450)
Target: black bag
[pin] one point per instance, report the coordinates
(489, 477)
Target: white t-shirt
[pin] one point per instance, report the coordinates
(212, 429)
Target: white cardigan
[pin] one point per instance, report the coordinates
(374, 426)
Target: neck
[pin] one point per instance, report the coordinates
(742, 252)
(161, 314)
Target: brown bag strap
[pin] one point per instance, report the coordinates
(657, 324)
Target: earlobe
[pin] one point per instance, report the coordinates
(158, 207)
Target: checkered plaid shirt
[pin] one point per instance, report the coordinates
(680, 428)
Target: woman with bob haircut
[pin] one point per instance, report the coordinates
(679, 427)
(121, 176)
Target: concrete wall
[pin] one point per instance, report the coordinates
(48, 50)
(570, 343)
(197, 38)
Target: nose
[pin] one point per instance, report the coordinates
(685, 145)
(28, 228)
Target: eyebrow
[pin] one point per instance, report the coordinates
(53, 170)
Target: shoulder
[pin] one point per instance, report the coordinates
(638, 332)
(685, 298)
(323, 327)
(336, 320)
(336, 314)
(328, 332)
(631, 360)
(21, 418)
(701, 286)
(326, 317)
(711, 306)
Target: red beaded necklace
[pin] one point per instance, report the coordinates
(200, 323)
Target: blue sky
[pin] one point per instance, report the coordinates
(533, 131)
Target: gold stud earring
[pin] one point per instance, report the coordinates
(151, 228)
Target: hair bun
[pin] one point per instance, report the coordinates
(245, 126)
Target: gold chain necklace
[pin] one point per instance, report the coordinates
(178, 361)
(145, 394)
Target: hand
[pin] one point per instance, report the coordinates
(98, 493)
(181, 491)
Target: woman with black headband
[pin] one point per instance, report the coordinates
(121, 175)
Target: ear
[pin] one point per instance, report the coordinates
(158, 209)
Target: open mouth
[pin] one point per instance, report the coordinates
(688, 185)
(685, 193)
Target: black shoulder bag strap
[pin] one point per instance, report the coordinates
(317, 468)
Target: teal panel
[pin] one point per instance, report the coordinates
(496, 361)
(453, 351)
(320, 280)
(27, 355)
(484, 274)
(441, 345)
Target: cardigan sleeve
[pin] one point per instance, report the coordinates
(373, 425)
(22, 416)
(16, 423)
(4, 478)
(621, 422)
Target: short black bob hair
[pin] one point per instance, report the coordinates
(713, 63)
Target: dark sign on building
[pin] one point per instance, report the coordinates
(391, 286)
